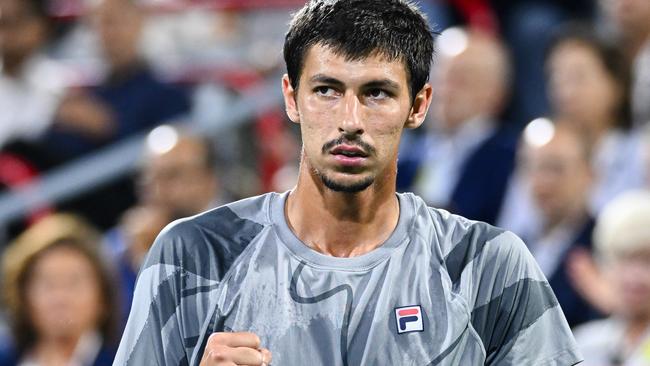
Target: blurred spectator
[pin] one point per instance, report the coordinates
(558, 172)
(31, 84)
(589, 86)
(465, 160)
(527, 27)
(622, 239)
(521, 23)
(631, 20)
(59, 296)
(129, 243)
(130, 99)
(178, 178)
(179, 173)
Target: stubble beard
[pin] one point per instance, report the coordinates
(354, 187)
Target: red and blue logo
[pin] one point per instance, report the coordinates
(409, 319)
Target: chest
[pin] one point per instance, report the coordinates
(393, 314)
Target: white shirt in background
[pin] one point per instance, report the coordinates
(601, 344)
(28, 102)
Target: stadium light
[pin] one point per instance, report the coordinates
(539, 132)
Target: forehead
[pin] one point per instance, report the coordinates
(13, 8)
(323, 60)
(574, 50)
(563, 146)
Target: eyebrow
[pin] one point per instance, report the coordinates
(322, 78)
(383, 83)
(380, 83)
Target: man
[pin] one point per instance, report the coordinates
(341, 270)
(181, 179)
(559, 176)
(176, 180)
(464, 161)
(631, 19)
(130, 98)
(31, 84)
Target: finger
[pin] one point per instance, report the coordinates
(267, 357)
(246, 356)
(216, 357)
(224, 355)
(238, 339)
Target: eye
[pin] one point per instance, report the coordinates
(325, 91)
(377, 93)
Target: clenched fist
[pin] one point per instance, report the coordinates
(234, 349)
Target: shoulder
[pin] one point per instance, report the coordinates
(458, 236)
(471, 250)
(206, 244)
(234, 220)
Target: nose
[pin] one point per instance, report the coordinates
(351, 123)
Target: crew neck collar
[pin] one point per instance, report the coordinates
(362, 262)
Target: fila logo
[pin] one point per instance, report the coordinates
(409, 319)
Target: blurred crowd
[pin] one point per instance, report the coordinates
(540, 124)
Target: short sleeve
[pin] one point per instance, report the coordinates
(515, 312)
(159, 330)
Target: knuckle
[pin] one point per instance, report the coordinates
(216, 338)
(219, 354)
(256, 340)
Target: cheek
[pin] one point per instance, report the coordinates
(87, 305)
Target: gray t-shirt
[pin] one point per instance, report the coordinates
(442, 290)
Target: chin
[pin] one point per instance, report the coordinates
(347, 187)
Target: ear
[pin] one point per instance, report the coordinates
(420, 107)
(289, 95)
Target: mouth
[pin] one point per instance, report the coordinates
(349, 156)
(349, 151)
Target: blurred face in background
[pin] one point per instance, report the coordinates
(581, 90)
(22, 31)
(118, 24)
(63, 294)
(179, 180)
(559, 175)
(629, 274)
(632, 16)
(141, 225)
(470, 84)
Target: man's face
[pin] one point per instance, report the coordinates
(118, 25)
(631, 15)
(559, 175)
(459, 95)
(469, 85)
(179, 181)
(352, 114)
(21, 32)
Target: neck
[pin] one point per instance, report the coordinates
(571, 218)
(56, 350)
(635, 329)
(342, 224)
(12, 66)
(635, 42)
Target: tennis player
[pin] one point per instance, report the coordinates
(341, 270)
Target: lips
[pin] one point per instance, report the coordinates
(352, 157)
(349, 151)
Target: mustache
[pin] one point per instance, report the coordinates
(367, 148)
